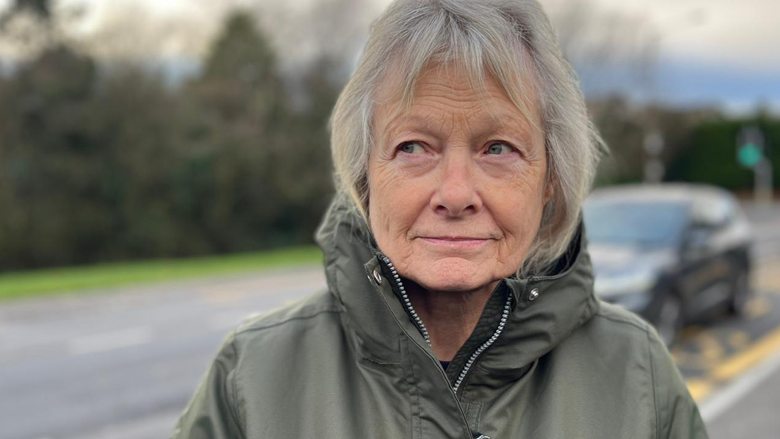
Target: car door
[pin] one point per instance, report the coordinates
(707, 268)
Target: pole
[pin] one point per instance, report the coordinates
(753, 153)
(763, 182)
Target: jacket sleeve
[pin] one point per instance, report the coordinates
(677, 416)
(212, 412)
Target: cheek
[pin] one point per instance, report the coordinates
(518, 209)
(394, 204)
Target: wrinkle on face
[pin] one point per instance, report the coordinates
(455, 189)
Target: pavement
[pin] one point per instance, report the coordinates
(122, 364)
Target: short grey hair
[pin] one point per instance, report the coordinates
(511, 40)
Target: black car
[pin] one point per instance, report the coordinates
(672, 253)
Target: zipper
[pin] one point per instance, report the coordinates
(424, 331)
(475, 355)
(407, 303)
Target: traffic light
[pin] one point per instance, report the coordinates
(752, 153)
(750, 147)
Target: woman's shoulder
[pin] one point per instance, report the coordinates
(310, 307)
(612, 318)
(291, 333)
(620, 341)
(633, 342)
(305, 317)
(260, 357)
(615, 330)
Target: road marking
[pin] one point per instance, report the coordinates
(688, 360)
(110, 340)
(739, 340)
(711, 349)
(758, 307)
(766, 277)
(713, 407)
(739, 363)
(699, 388)
(690, 331)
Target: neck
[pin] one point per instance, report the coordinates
(449, 316)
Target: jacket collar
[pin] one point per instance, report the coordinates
(545, 309)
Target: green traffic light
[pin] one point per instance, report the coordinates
(749, 155)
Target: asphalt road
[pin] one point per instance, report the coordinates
(750, 405)
(122, 364)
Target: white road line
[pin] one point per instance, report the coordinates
(730, 395)
(110, 340)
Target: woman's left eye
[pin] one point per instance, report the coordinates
(498, 148)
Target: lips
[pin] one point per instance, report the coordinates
(455, 241)
(455, 238)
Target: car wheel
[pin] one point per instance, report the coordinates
(741, 293)
(669, 321)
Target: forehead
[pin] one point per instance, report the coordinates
(446, 87)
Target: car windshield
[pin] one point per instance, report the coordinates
(636, 223)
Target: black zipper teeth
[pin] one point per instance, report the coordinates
(418, 321)
(408, 303)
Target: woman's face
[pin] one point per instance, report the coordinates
(456, 182)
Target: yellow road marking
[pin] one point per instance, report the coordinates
(766, 277)
(689, 360)
(702, 349)
(758, 307)
(690, 331)
(739, 340)
(742, 361)
(699, 388)
(710, 348)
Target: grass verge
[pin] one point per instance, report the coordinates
(94, 277)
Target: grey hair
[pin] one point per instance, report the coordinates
(510, 40)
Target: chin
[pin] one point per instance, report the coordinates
(454, 275)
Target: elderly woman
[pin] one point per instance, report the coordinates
(460, 300)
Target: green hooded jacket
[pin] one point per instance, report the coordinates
(546, 360)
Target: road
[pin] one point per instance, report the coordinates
(123, 363)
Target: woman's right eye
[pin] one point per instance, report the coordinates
(411, 148)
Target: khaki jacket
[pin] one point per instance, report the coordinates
(546, 360)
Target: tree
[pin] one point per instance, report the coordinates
(100, 164)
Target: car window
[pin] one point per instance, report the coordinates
(636, 223)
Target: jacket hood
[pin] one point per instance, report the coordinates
(544, 309)
(350, 363)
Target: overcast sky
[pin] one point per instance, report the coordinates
(715, 51)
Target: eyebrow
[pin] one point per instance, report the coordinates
(407, 122)
(415, 122)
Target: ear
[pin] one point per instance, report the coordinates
(549, 191)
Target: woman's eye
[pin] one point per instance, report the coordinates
(499, 148)
(412, 148)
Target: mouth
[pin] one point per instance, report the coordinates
(462, 242)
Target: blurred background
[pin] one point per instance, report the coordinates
(163, 167)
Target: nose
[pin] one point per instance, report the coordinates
(456, 193)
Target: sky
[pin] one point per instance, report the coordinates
(715, 50)
(724, 52)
